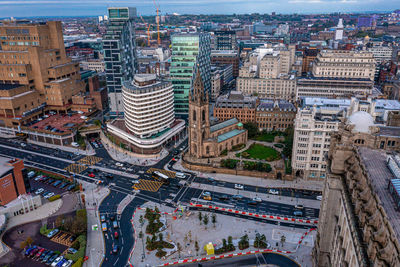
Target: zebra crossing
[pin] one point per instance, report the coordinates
(75, 168)
(147, 185)
(90, 160)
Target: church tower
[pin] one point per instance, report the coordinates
(199, 118)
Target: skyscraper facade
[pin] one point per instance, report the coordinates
(225, 40)
(119, 54)
(189, 52)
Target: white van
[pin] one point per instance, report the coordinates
(31, 174)
(74, 144)
(180, 175)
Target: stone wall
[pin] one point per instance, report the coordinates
(196, 166)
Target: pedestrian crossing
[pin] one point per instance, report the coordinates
(75, 168)
(170, 174)
(147, 185)
(90, 160)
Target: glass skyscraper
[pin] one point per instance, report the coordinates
(119, 54)
(189, 51)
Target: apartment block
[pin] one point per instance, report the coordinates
(318, 118)
(35, 71)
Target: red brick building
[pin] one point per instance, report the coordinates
(12, 182)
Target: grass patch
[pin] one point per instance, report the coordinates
(257, 151)
(44, 231)
(267, 136)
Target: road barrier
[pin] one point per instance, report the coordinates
(255, 215)
(232, 254)
(240, 253)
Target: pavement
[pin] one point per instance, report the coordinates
(89, 150)
(44, 211)
(95, 248)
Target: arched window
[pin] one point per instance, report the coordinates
(204, 115)
(204, 135)
(207, 150)
(194, 115)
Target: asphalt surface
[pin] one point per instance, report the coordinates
(57, 160)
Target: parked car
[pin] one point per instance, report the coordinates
(28, 250)
(298, 213)
(38, 178)
(237, 197)
(252, 202)
(273, 192)
(239, 186)
(48, 256)
(51, 259)
(206, 193)
(64, 184)
(33, 252)
(207, 197)
(39, 191)
(52, 233)
(61, 263)
(48, 195)
(56, 183)
(299, 207)
(104, 227)
(50, 181)
(319, 198)
(71, 251)
(56, 261)
(68, 263)
(72, 186)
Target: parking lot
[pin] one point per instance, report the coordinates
(42, 184)
(18, 234)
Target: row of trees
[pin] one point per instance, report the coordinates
(204, 218)
(229, 163)
(76, 225)
(257, 166)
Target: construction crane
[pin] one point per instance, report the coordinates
(158, 22)
(147, 25)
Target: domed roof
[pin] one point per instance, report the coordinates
(361, 121)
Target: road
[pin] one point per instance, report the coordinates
(121, 185)
(251, 260)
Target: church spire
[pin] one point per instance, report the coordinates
(198, 95)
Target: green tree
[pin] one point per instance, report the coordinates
(205, 220)
(179, 247)
(196, 247)
(160, 237)
(283, 240)
(252, 129)
(200, 217)
(214, 219)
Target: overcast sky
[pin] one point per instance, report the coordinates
(26, 8)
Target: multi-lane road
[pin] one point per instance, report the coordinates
(121, 185)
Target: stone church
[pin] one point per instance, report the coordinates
(206, 141)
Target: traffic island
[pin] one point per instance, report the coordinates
(192, 232)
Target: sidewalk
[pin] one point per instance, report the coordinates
(95, 243)
(310, 203)
(298, 183)
(40, 213)
(89, 149)
(125, 202)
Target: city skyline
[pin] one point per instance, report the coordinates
(94, 8)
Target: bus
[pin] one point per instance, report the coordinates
(161, 177)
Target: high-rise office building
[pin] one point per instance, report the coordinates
(189, 51)
(119, 54)
(225, 40)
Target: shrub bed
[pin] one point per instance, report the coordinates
(55, 197)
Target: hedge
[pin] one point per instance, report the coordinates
(55, 197)
(78, 263)
(44, 231)
(81, 251)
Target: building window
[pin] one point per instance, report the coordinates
(194, 115)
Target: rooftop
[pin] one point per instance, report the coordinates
(223, 124)
(228, 135)
(379, 174)
(4, 165)
(269, 104)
